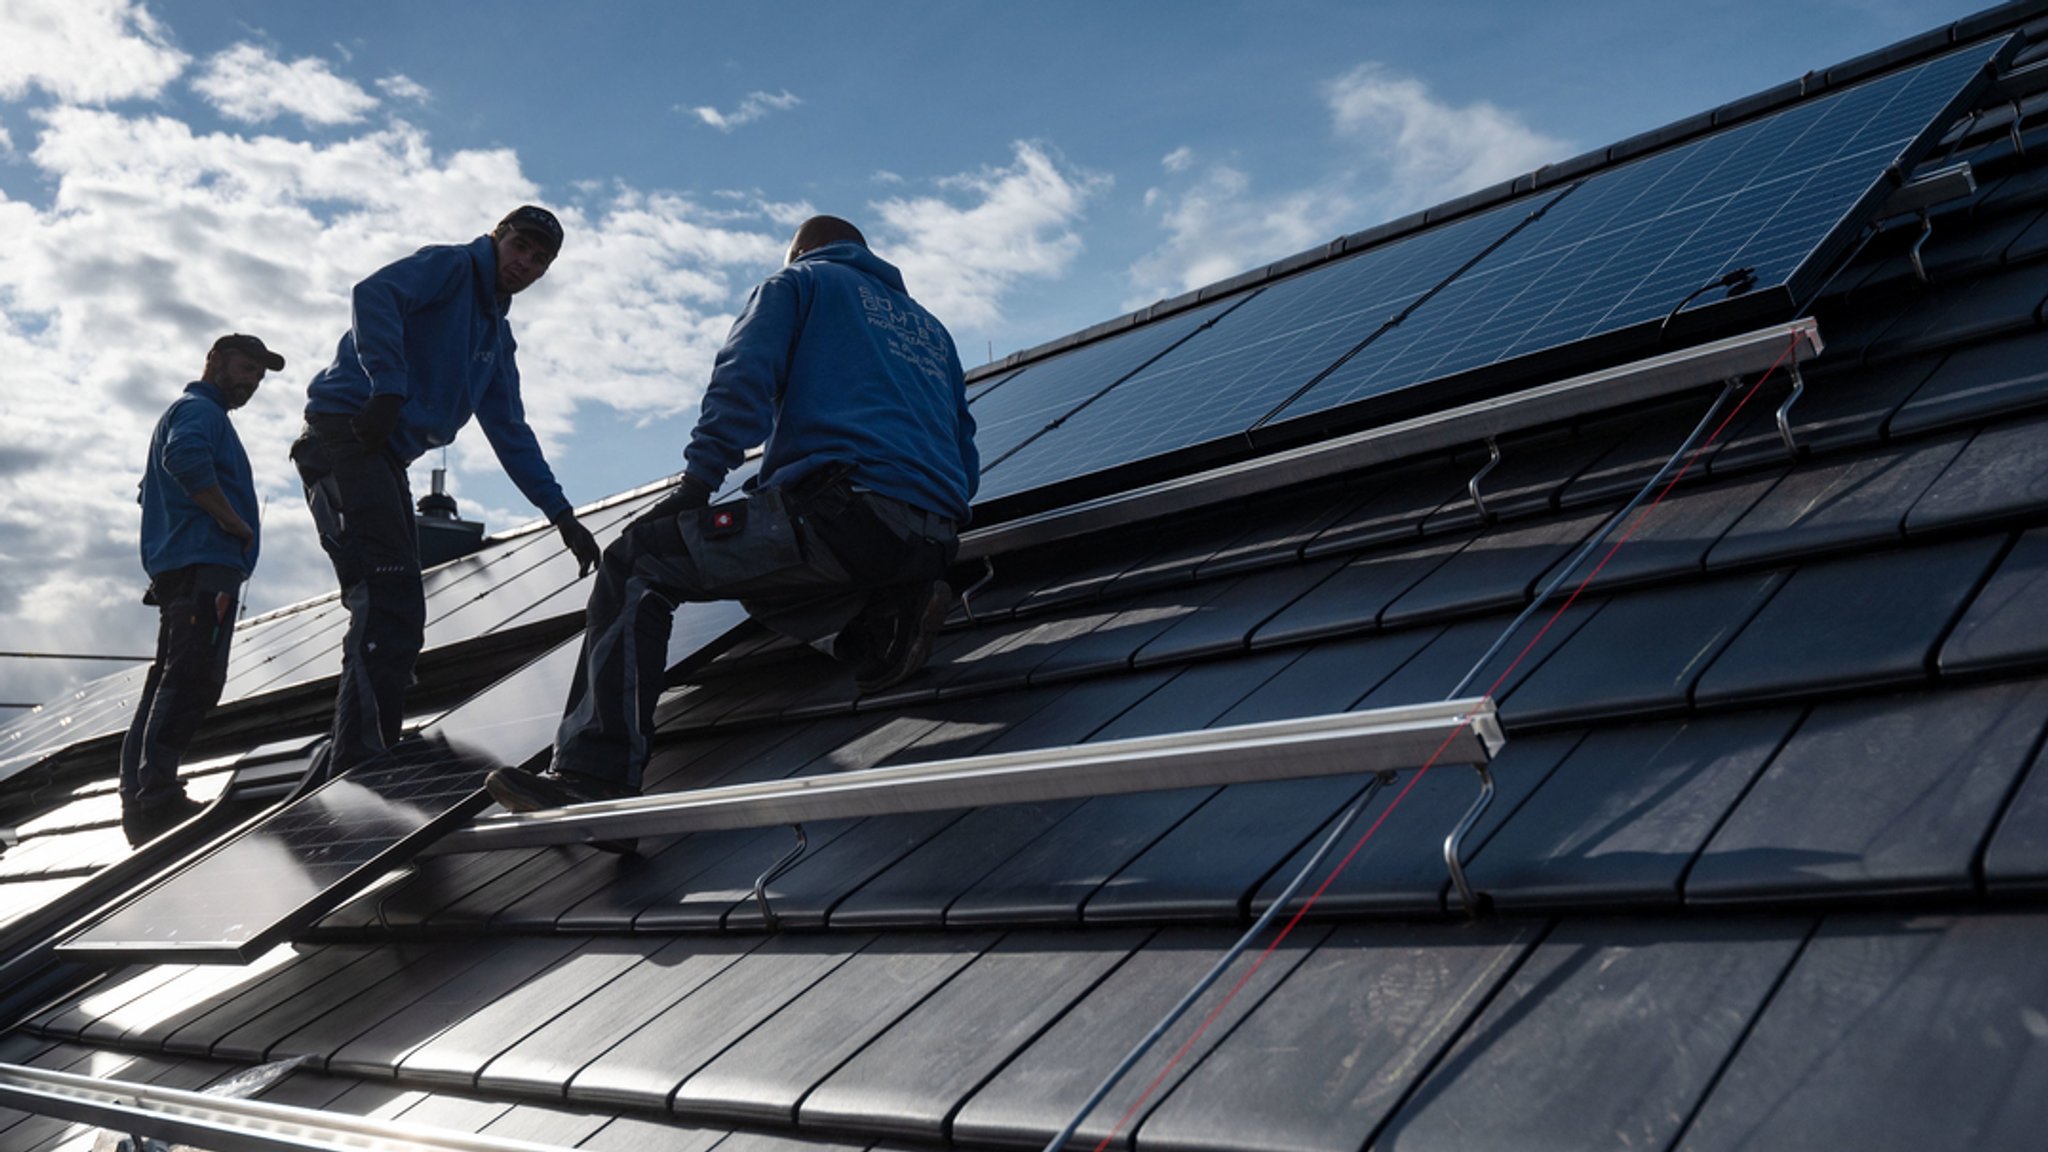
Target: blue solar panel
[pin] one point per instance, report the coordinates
(1252, 360)
(1039, 395)
(1626, 246)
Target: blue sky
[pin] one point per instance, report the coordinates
(169, 171)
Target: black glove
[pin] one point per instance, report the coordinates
(580, 542)
(689, 496)
(379, 416)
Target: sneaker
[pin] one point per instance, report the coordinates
(916, 621)
(517, 790)
(141, 825)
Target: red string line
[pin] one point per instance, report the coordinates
(1281, 936)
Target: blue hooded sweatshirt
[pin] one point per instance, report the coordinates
(831, 361)
(431, 328)
(194, 448)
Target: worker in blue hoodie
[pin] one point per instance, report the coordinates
(428, 347)
(199, 545)
(841, 540)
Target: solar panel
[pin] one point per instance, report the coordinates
(1780, 195)
(1024, 404)
(1611, 255)
(1252, 360)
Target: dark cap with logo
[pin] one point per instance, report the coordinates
(536, 222)
(248, 346)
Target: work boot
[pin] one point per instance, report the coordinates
(913, 619)
(141, 825)
(517, 790)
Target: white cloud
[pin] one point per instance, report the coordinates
(403, 87)
(1401, 149)
(754, 107)
(6, 144)
(1432, 150)
(963, 250)
(884, 176)
(84, 51)
(248, 84)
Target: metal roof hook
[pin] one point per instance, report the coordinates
(1454, 844)
(1785, 412)
(1472, 485)
(988, 574)
(774, 873)
(1926, 230)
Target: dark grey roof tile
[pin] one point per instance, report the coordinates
(1619, 822)
(1006, 652)
(911, 1080)
(1392, 996)
(2006, 626)
(1353, 596)
(453, 1058)
(2016, 859)
(1053, 875)
(1405, 498)
(2007, 301)
(1976, 382)
(644, 1068)
(1609, 1034)
(1035, 1094)
(1641, 652)
(2001, 476)
(1837, 504)
(1639, 454)
(321, 1017)
(543, 1062)
(1396, 846)
(2031, 244)
(1845, 406)
(634, 1134)
(764, 1075)
(1889, 794)
(1225, 623)
(1454, 654)
(326, 967)
(804, 896)
(1498, 570)
(1329, 677)
(147, 1020)
(917, 889)
(1671, 537)
(545, 1125)
(1111, 645)
(71, 1018)
(1280, 527)
(1534, 468)
(1857, 622)
(1825, 1065)
(421, 1014)
(1210, 864)
(454, 1113)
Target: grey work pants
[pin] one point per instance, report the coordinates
(801, 562)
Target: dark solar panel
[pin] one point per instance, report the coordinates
(1626, 247)
(1253, 359)
(1023, 404)
(239, 900)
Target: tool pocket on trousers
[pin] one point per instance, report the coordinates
(740, 541)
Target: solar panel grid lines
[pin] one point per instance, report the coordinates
(1250, 361)
(1019, 407)
(1627, 245)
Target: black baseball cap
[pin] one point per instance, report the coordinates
(537, 222)
(248, 346)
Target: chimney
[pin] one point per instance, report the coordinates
(443, 535)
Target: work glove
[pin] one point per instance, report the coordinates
(688, 496)
(374, 423)
(580, 542)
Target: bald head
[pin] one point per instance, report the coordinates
(819, 231)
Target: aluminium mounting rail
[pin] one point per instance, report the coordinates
(223, 1124)
(1383, 740)
(1748, 354)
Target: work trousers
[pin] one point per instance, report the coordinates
(362, 507)
(803, 562)
(195, 626)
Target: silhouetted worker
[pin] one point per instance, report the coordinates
(199, 545)
(428, 347)
(841, 541)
